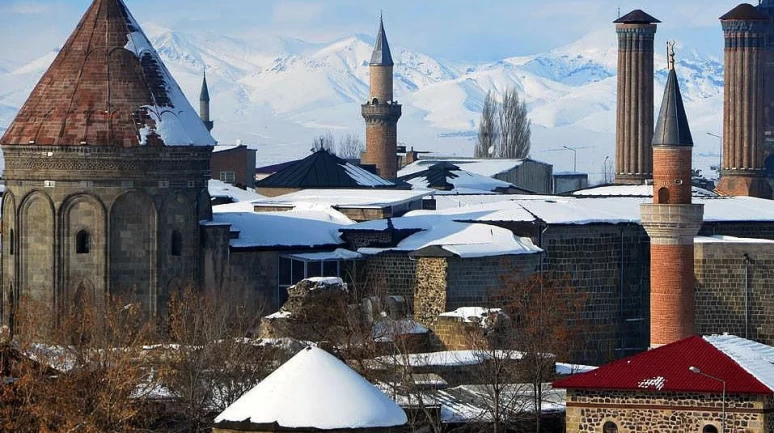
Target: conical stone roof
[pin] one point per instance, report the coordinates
(637, 16)
(381, 55)
(107, 87)
(313, 390)
(672, 126)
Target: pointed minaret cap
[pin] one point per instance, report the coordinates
(107, 87)
(637, 16)
(381, 55)
(204, 96)
(672, 125)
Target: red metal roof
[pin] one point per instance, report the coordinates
(666, 369)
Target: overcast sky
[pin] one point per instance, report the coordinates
(460, 30)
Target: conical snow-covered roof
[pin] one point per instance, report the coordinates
(107, 87)
(314, 390)
(381, 55)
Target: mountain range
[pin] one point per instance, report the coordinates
(277, 93)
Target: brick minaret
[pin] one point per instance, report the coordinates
(742, 172)
(204, 104)
(634, 114)
(381, 112)
(671, 222)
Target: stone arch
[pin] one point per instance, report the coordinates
(133, 248)
(662, 196)
(8, 256)
(709, 428)
(36, 241)
(609, 427)
(178, 239)
(82, 219)
(204, 205)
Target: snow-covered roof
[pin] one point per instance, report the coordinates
(449, 179)
(315, 390)
(337, 254)
(224, 190)
(472, 314)
(755, 358)
(449, 358)
(720, 239)
(304, 226)
(632, 191)
(484, 167)
(347, 198)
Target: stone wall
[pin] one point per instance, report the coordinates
(474, 281)
(431, 289)
(587, 411)
(723, 277)
(392, 273)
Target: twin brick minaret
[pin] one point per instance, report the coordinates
(381, 112)
(671, 221)
(634, 116)
(744, 28)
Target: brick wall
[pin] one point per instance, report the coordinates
(587, 411)
(392, 273)
(672, 163)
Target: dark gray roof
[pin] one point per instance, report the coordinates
(381, 55)
(204, 95)
(637, 16)
(324, 170)
(672, 125)
(744, 11)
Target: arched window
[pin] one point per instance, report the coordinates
(12, 242)
(609, 427)
(177, 243)
(375, 101)
(663, 196)
(82, 242)
(709, 428)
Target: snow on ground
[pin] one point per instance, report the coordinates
(315, 390)
(473, 314)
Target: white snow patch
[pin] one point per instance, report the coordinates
(567, 369)
(755, 358)
(479, 315)
(315, 390)
(656, 382)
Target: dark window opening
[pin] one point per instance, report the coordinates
(609, 427)
(177, 243)
(12, 242)
(709, 428)
(663, 196)
(82, 242)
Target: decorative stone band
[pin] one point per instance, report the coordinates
(744, 172)
(675, 407)
(97, 163)
(752, 28)
(381, 113)
(641, 29)
(672, 224)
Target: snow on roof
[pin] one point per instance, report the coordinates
(223, 190)
(564, 368)
(315, 390)
(464, 182)
(471, 314)
(632, 191)
(337, 254)
(449, 358)
(304, 226)
(345, 198)
(484, 167)
(720, 239)
(755, 358)
(224, 147)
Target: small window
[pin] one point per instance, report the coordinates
(609, 427)
(227, 176)
(177, 243)
(330, 269)
(709, 428)
(663, 196)
(375, 101)
(82, 242)
(12, 242)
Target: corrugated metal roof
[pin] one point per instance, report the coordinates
(672, 126)
(666, 369)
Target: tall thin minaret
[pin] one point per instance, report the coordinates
(742, 172)
(204, 104)
(671, 221)
(381, 112)
(634, 112)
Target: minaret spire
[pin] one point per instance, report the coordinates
(204, 102)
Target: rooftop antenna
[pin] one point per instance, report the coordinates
(671, 55)
(619, 11)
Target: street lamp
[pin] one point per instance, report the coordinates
(720, 158)
(604, 168)
(697, 371)
(574, 158)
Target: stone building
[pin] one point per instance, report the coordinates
(671, 221)
(381, 112)
(744, 28)
(634, 113)
(106, 173)
(705, 385)
(234, 165)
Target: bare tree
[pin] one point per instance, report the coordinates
(505, 129)
(350, 147)
(324, 141)
(487, 128)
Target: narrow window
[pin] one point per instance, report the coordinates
(228, 176)
(82, 242)
(12, 243)
(663, 196)
(177, 243)
(609, 427)
(709, 428)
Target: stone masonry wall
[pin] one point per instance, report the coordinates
(392, 273)
(473, 281)
(588, 411)
(431, 294)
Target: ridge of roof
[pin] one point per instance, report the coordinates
(637, 16)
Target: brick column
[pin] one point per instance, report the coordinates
(382, 137)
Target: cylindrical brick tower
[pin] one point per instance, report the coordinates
(381, 112)
(671, 221)
(634, 113)
(742, 173)
(204, 105)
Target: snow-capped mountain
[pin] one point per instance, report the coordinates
(278, 93)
